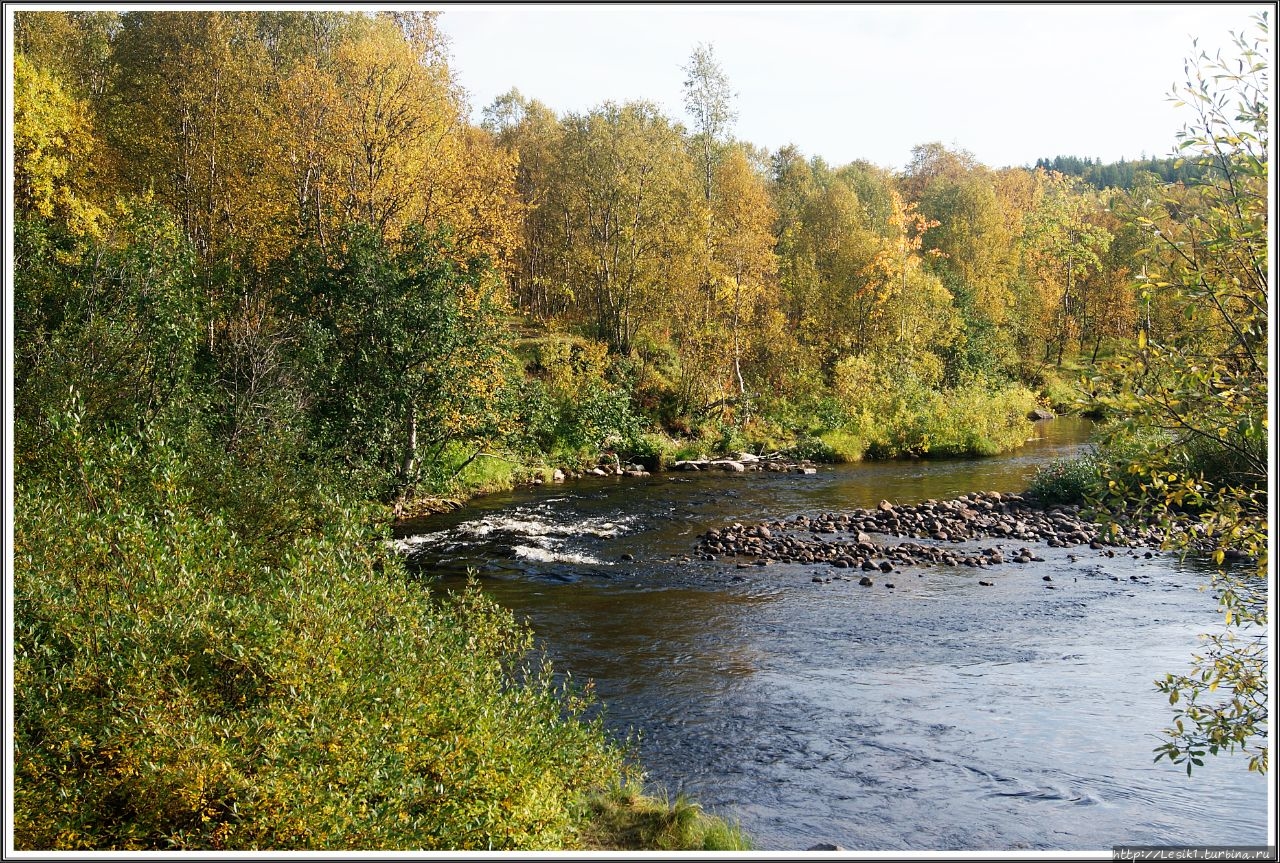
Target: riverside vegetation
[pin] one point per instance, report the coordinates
(272, 286)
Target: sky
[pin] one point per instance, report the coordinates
(1009, 84)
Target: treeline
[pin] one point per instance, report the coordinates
(354, 262)
(1124, 173)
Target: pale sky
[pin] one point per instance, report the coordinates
(845, 82)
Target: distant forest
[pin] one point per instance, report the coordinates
(1121, 174)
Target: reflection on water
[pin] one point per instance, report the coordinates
(938, 714)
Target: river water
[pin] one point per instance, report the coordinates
(939, 714)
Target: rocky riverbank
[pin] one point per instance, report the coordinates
(845, 540)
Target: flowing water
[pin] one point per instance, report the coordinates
(938, 714)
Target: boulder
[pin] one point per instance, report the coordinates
(1040, 414)
(557, 476)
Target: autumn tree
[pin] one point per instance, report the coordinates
(1108, 300)
(1065, 245)
(191, 120)
(622, 189)
(974, 256)
(52, 140)
(744, 260)
(532, 133)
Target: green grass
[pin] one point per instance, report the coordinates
(624, 818)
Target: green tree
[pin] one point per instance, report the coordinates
(975, 259)
(113, 323)
(1202, 388)
(406, 346)
(708, 99)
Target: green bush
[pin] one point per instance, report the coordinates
(813, 449)
(1068, 480)
(843, 446)
(176, 689)
(977, 418)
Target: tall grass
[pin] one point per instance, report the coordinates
(624, 817)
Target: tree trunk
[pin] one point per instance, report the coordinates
(411, 442)
(737, 350)
(1066, 309)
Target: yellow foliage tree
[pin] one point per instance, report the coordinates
(52, 140)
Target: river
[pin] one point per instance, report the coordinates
(939, 714)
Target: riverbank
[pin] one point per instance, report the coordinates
(758, 447)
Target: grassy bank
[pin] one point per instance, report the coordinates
(979, 419)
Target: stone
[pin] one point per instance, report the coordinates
(557, 475)
(1041, 414)
(825, 846)
(865, 582)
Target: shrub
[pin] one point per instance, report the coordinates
(844, 446)
(1068, 480)
(173, 691)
